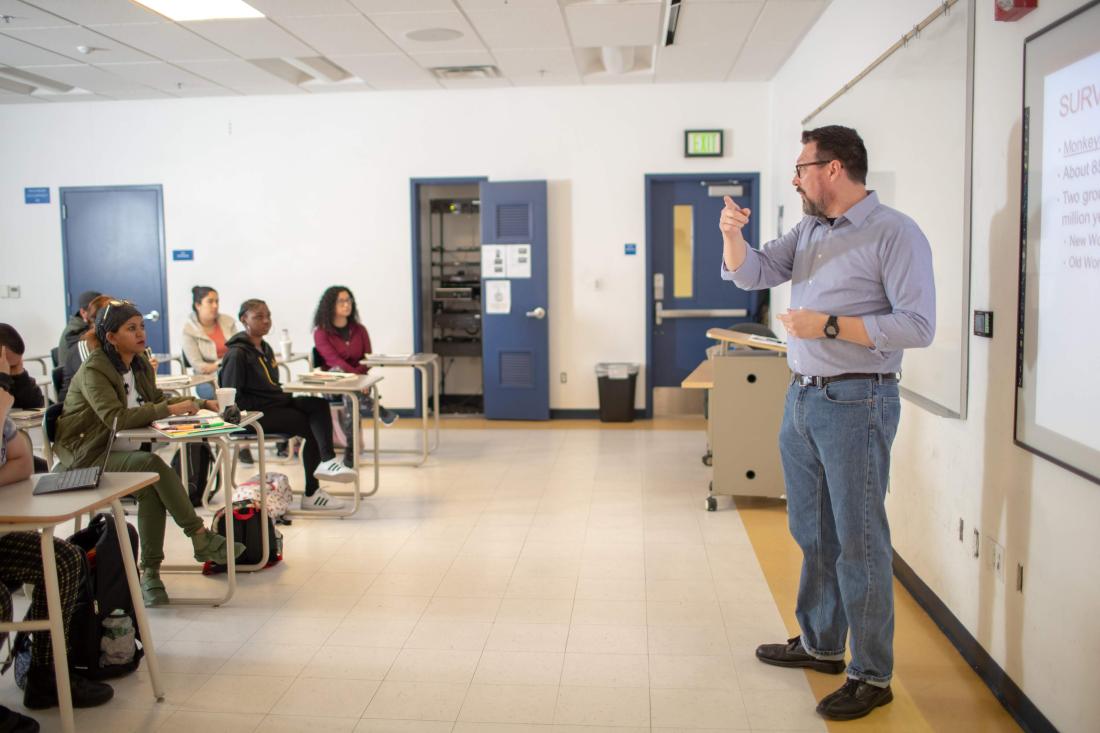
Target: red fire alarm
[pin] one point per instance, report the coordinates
(1010, 10)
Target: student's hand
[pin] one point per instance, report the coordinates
(5, 367)
(182, 408)
(804, 324)
(154, 363)
(210, 405)
(209, 368)
(15, 361)
(733, 219)
(7, 401)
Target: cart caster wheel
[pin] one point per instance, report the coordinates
(712, 504)
(708, 460)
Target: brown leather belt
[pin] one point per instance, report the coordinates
(806, 381)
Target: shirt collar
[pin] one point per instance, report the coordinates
(859, 212)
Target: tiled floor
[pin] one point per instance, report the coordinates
(524, 580)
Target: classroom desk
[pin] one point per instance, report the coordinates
(21, 510)
(284, 364)
(422, 363)
(249, 419)
(353, 386)
(175, 384)
(28, 420)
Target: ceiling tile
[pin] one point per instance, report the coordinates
(161, 76)
(167, 41)
(521, 28)
(240, 76)
(27, 16)
(275, 8)
(347, 85)
(77, 97)
(397, 25)
(339, 34)
(86, 77)
(10, 98)
(17, 53)
(623, 24)
(66, 40)
(385, 70)
(474, 83)
(475, 5)
(145, 93)
(717, 23)
(694, 63)
(402, 6)
(251, 38)
(538, 64)
(94, 12)
(454, 58)
(777, 33)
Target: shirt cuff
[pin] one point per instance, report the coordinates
(747, 275)
(879, 340)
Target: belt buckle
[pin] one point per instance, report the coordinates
(806, 381)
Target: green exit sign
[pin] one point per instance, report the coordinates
(702, 143)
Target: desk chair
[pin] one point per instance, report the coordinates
(340, 439)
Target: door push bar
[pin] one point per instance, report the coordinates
(662, 314)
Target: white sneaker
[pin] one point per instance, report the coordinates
(321, 500)
(335, 470)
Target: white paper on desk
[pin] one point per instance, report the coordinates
(493, 260)
(519, 260)
(498, 297)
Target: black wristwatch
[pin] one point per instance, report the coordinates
(832, 330)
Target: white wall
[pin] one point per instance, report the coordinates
(282, 196)
(1045, 638)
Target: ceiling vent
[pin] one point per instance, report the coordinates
(456, 73)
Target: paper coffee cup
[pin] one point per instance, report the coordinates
(226, 396)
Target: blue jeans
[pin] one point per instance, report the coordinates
(205, 391)
(835, 445)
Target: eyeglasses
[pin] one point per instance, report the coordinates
(799, 166)
(102, 315)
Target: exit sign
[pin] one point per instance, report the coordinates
(702, 143)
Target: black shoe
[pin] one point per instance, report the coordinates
(349, 460)
(41, 692)
(245, 456)
(282, 449)
(792, 654)
(854, 700)
(13, 722)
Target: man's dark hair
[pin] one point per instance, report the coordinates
(11, 340)
(835, 142)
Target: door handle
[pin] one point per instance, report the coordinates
(153, 316)
(663, 314)
(538, 313)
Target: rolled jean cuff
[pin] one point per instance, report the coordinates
(825, 656)
(854, 674)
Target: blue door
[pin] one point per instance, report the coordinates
(113, 242)
(687, 294)
(515, 345)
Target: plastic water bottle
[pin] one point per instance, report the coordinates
(116, 645)
(285, 345)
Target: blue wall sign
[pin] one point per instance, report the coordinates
(183, 255)
(630, 249)
(36, 195)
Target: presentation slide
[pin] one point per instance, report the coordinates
(1067, 396)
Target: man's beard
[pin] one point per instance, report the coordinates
(811, 208)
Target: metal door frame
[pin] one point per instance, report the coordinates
(156, 188)
(650, 238)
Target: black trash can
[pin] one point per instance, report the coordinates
(617, 382)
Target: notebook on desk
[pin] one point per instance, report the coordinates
(77, 478)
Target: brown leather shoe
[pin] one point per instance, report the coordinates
(792, 654)
(854, 700)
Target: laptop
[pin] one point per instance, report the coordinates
(77, 478)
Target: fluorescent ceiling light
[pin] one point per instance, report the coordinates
(201, 9)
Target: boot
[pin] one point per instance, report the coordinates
(41, 692)
(210, 547)
(13, 722)
(152, 588)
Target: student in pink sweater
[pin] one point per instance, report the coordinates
(342, 342)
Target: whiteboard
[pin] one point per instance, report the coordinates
(914, 113)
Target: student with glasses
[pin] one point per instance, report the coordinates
(342, 342)
(249, 367)
(118, 382)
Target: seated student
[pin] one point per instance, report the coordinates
(21, 562)
(80, 350)
(79, 322)
(205, 334)
(118, 382)
(24, 387)
(249, 367)
(343, 342)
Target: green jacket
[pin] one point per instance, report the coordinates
(96, 397)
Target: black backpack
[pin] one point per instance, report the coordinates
(104, 591)
(246, 530)
(200, 456)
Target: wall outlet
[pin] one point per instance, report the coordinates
(976, 544)
(995, 558)
(564, 377)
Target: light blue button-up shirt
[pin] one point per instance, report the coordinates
(872, 262)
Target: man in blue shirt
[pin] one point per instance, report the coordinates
(862, 291)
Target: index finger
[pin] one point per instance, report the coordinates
(730, 204)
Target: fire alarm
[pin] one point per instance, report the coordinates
(1010, 10)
